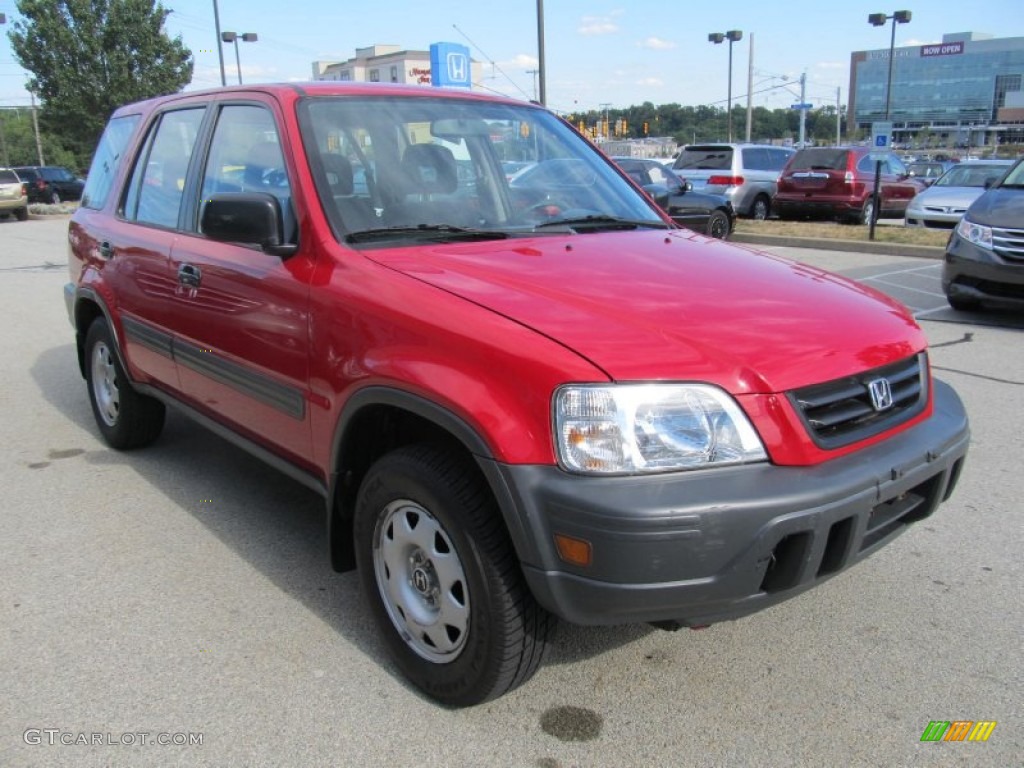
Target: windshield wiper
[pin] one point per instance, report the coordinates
(601, 221)
(440, 232)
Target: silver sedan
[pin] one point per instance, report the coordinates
(943, 203)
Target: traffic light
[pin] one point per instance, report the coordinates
(646, 126)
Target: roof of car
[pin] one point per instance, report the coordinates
(295, 91)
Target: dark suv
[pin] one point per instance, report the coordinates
(50, 183)
(837, 182)
(518, 401)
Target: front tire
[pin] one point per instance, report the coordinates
(55, 197)
(442, 579)
(126, 418)
(718, 225)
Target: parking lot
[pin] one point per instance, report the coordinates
(182, 594)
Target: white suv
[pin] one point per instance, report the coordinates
(745, 173)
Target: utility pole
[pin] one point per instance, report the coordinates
(534, 72)
(540, 53)
(750, 88)
(838, 122)
(604, 125)
(35, 125)
(803, 112)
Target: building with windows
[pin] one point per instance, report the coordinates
(384, 64)
(965, 91)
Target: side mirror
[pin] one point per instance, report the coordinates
(248, 218)
(659, 192)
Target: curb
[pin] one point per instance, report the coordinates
(860, 246)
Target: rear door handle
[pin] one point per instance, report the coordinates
(106, 250)
(189, 275)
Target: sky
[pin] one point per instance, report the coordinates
(597, 52)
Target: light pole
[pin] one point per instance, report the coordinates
(232, 37)
(732, 36)
(878, 20)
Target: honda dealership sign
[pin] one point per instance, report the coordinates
(450, 66)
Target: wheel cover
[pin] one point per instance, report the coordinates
(421, 581)
(104, 384)
(760, 209)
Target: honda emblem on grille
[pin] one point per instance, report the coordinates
(881, 394)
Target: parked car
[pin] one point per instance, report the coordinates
(927, 171)
(50, 183)
(711, 215)
(984, 262)
(13, 195)
(516, 408)
(744, 173)
(943, 203)
(837, 182)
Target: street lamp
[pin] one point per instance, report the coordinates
(232, 37)
(878, 20)
(732, 36)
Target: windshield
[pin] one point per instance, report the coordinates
(970, 175)
(1015, 178)
(438, 168)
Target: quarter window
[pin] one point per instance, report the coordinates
(107, 160)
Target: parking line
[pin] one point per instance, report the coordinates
(904, 287)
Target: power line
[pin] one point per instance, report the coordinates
(492, 62)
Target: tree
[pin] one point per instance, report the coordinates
(18, 143)
(87, 57)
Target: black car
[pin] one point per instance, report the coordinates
(985, 253)
(50, 183)
(712, 215)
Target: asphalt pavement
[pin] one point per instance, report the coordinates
(182, 594)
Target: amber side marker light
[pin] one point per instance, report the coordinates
(575, 551)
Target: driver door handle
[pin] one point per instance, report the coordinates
(189, 275)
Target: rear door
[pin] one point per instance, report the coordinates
(138, 240)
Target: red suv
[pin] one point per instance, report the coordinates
(518, 402)
(838, 182)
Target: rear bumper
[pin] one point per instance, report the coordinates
(706, 546)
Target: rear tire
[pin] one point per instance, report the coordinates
(761, 209)
(55, 197)
(125, 418)
(21, 214)
(718, 226)
(442, 579)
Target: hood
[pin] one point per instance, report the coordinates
(671, 305)
(999, 207)
(948, 197)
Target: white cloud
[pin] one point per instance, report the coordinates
(521, 61)
(655, 82)
(831, 65)
(656, 44)
(591, 26)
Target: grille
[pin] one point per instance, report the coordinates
(1008, 243)
(842, 411)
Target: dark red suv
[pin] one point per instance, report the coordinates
(519, 402)
(837, 182)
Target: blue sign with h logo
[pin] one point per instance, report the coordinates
(450, 66)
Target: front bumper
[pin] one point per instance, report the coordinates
(711, 545)
(979, 275)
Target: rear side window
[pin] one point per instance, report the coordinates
(106, 161)
(819, 159)
(158, 181)
(755, 159)
(704, 158)
(777, 158)
(9, 177)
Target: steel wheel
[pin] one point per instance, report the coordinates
(105, 391)
(421, 581)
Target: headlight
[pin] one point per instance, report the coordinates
(975, 233)
(640, 428)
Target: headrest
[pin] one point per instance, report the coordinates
(339, 173)
(430, 168)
